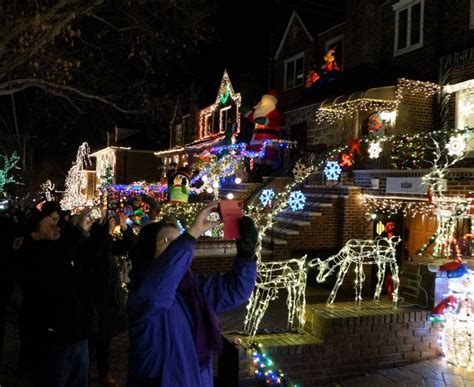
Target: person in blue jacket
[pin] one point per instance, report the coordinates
(173, 327)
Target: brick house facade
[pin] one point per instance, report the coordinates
(383, 43)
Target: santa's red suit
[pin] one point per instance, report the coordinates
(267, 122)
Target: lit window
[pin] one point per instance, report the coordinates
(408, 26)
(465, 113)
(294, 71)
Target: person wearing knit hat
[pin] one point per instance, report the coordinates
(51, 209)
(267, 122)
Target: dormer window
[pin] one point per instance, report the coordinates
(294, 71)
(408, 26)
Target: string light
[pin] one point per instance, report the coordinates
(9, 164)
(271, 278)
(389, 206)
(335, 112)
(225, 91)
(266, 369)
(360, 252)
(48, 189)
(75, 196)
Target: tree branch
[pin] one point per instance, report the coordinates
(16, 85)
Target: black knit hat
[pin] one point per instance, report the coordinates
(37, 216)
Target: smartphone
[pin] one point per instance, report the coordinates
(230, 213)
(94, 214)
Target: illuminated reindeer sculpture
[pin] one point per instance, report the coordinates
(272, 277)
(379, 251)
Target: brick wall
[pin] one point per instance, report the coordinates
(457, 35)
(416, 113)
(423, 62)
(343, 347)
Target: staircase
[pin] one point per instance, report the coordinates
(240, 191)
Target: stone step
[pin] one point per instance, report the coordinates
(322, 197)
(267, 240)
(305, 214)
(291, 220)
(280, 230)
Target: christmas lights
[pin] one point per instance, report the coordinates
(9, 164)
(332, 170)
(299, 169)
(334, 112)
(48, 189)
(375, 148)
(297, 200)
(360, 252)
(271, 278)
(206, 115)
(266, 369)
(266, 196)
(390, 206)
(75, 193)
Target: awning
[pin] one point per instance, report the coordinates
(193, 147)
(386, 94)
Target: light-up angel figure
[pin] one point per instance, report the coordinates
(360, 252)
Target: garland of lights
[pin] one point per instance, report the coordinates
(390, 206)
(379, 251)
(272, 277)
(266, 369)
(9, 164)
(75, 193)
(335, 112)
(225, 91)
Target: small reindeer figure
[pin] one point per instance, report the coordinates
(379, 251)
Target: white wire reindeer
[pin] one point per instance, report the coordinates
(272, 277)
(379, 251)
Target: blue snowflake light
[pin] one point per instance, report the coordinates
(332, 170)
(266, 196)
(297, 200)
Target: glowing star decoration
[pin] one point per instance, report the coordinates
(332, 170)
(375, 148)
(456, 145)
(360, 252)
(297, 200)
(271, 278)
(299, 170)
(266, 197)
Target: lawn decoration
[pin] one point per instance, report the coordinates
(272, 277)
(379, 251)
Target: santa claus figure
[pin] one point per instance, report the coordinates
(267, 122)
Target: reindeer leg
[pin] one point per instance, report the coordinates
(340, 279)
(396, 281)
(380, 278)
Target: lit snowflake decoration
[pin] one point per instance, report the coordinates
(375, 148)
(332, 170)
(297, 200)
(456, 145)
(267, 196)
(299, 171)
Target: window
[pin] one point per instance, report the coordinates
(408, 26)
(338, 43)
(294, 71)
(465, 113)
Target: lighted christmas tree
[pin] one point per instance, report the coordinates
(75, 195)
(9, 164)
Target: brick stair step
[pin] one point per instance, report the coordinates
(282, 230)
(322, 196)
(267, 240)
(291, 220)
(301, 214)
(313, 204)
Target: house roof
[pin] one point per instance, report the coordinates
(293, 19)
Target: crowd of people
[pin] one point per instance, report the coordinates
(74, 302)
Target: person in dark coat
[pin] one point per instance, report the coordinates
(108, 293)
(57, 310)
(173, 327)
